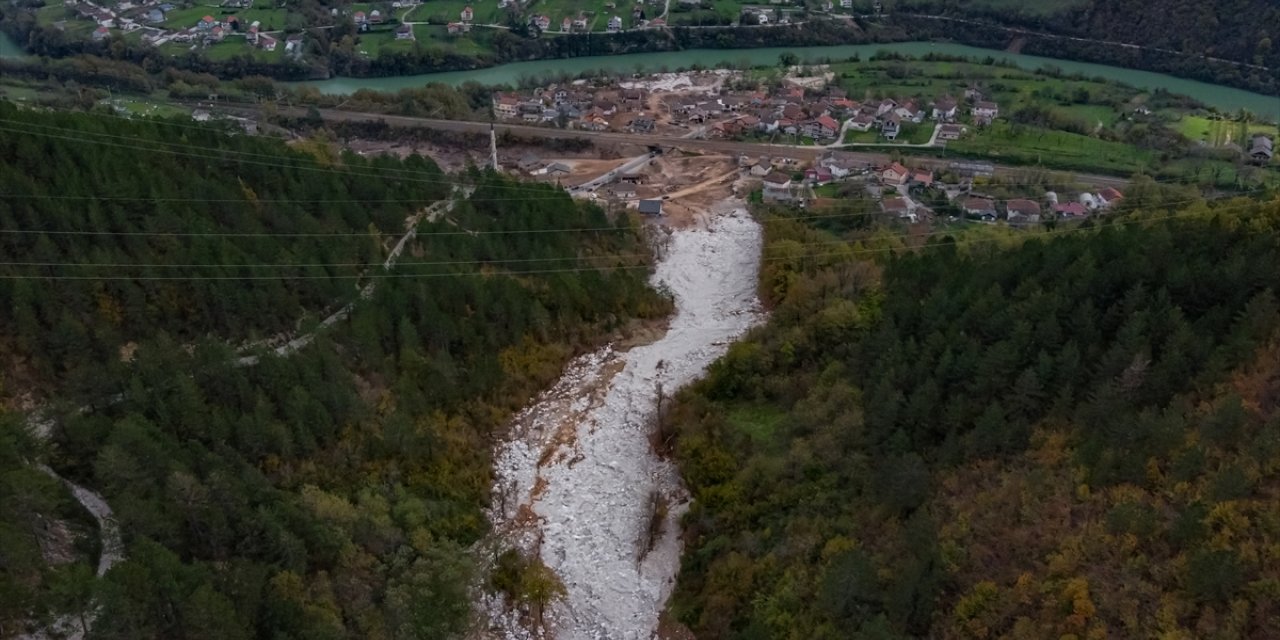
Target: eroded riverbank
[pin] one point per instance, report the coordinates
(577, 481)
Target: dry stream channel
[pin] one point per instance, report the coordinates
(577, 480)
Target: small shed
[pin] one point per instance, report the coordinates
(651, 207)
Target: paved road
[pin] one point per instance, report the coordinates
(727, 147)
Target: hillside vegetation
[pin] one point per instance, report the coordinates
(1070, 434)
(1241, 31)
(330, 494)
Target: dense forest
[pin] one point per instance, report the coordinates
(1066, 434)
(329, 494)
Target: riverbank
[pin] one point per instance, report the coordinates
(1223, 98)
(579, 485)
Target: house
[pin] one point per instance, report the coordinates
(542, 22)
(910, 111)
(293, 45)
(529, 163)
(622, 192)
(633, 178)
(642, 125)
(886, 106)
(950, 132)
(615, 24)
(922, 177)
(846, 4)
(266, 42)
(1108, 197)
(606, 107)
(404, 32)
(580, 24)
(593, 121)
(984, 112)
(1089, 201)
(657, 22)
(895, 174)
(101, 33)
(862, 122)
(557, 170)
(206, 23)
(1070, 210)
(777, 186)
(217, 33)
(467, 15)
(455, 28)
(823, 127)
(651, 207)
(819, 175)
(896, 206)
(762, 168)
(155, 16)
(944, 109)
(1022, 211)
(980, 208)
(841, 165)
(376, 17)
(1261, 150)
(504, 106)
(200, 115)
(891, 127)
(359, 17)
(633, 97)
(566, 25)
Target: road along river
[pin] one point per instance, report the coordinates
(578, 479)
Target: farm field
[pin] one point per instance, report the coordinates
(1216, 132)
(446, 11)
(234, 47)
(1031, 145)
(375, 43)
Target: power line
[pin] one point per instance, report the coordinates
(249, 234)
(453, 262)
(847, 252)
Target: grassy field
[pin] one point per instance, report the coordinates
(558, 10)
(52, 13)
(271, 19)
(235, 46)
(374, 43)
(188, 17)
(1219, 132)
(443, 11)
(1029, 145)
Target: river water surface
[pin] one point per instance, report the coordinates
(1218, 96)
(577, 481)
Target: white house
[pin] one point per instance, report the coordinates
(984, 112)
(615, 24)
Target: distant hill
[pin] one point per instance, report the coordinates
(1238, 30)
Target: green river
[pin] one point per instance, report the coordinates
(1221, 97)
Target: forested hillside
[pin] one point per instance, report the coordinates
(330, 494)
(1071, 434)
(1241, 31)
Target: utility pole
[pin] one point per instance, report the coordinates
(493, 148)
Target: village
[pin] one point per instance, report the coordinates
(801, 110)
(802, 114)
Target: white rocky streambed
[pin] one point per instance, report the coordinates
(577, 479)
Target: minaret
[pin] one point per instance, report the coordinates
(493, 148)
